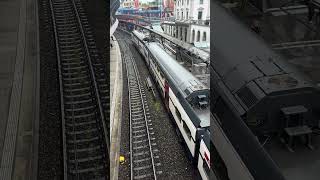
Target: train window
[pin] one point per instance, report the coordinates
(178, 114)
(217, 164)
(187, 130)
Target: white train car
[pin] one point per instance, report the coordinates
(185, 97)
(203, 164)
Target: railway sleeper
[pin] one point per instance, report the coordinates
(70, 109)
(79, 102)
(62, 10)
(81, 123)
(139, 136)
(73, 73)
(77, 84)
(84, 145)
(71, 23)
(142, 160)
(79, 95)
(143, 153)
(99, 174)
(137, 110)
(104, 92)
(74, 43)
(71, 45)
(74, 59)
(138, 127)
(139, 131)
(76, 78)
(82, 132)
(79, 55)
(87, 170)
(79, 98)
(65, 38)
(72, 141)
(140, 141)
(141, 147)
(78, 113)
(143, 176)
(142, 168)
(64, 18)
(137, 116)
(93, 114)
(65, 29)
(64, 15)
(71, 50)
(139, 122)
(86, 160)
(86, 152)
(87, 149)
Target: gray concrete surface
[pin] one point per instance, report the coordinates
(18, 88)
(116, 81)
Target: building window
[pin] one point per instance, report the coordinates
(181, 15)
(198, 36)
(204, 37)
(181, 33)
(188, 2)
(187, 16)
(199, 15)
(193, 35)
(201, 1)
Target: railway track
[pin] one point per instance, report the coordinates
(142, 156)
(296, 44)
(84, 93)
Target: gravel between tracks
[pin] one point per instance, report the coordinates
(172, 154)
(50, 145)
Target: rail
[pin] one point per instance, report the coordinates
(141, 156)
(84, 131)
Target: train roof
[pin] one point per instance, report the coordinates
(140, 35)
(187, 84)
(181, 76)
(249, 58)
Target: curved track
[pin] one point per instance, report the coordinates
(83, 94)
(142, 161)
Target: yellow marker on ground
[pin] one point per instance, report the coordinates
(121, 159)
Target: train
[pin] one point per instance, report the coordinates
(185, 98)
(262, 103)
(270, 95)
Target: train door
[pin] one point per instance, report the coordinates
(166, 94)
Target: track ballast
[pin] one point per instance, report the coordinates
(84, 94)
